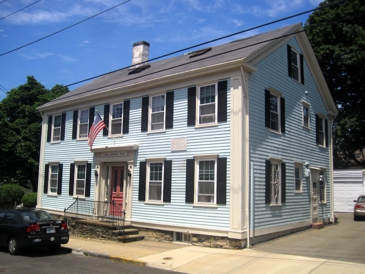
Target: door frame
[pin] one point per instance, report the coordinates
(314, 190)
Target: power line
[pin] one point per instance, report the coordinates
(19, 10)
(82, 21)
(211, 41)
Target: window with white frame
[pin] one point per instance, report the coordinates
(298, 172)
(295, 61)
(116, 119)
(322, 187)
(83, 123)
(53, 179)
(80, 179)
(157, 113)
(320, 128)
(206, 186)
(306, 121)
(155, 181)
(207, 104)
(275, 183)
(274, 112)
(56, 132)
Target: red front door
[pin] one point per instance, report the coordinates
(117, 183)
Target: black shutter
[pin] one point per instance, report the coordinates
(72, 179)
(301, 69)
(267, 108)
(144, 118)
(106, 119)
(326, 132)
(222, 101)
(221, 181)
(317, 129)
(126, 108)
(283, 183)
(46, 174)
(169, 109)
(88, 180)
(74, 124)
(191, 106)
(167, 181)
(267, 182)
(189, 191)
(59, 183)
(91, 116)
(289, 60)
(142, 182)
(49, 133)
(282, 114)
(63, 128)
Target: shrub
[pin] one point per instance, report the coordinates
(30, 199)
(11, 193)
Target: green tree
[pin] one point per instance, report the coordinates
(20, 134)
(337, 35)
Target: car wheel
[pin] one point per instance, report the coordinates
(55, 247)
(356, 218)
(13, 246)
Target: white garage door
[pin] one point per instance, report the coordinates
(348, 185)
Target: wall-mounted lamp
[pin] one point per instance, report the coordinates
(96, 173)
(129, 173)
(307, 171)
(320, 178)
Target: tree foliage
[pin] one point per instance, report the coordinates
(20, 133)
(337, 35)
(11, 194)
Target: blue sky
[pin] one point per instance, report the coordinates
(104, 43)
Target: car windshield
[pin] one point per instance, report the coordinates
(37, 216)
(361, 200)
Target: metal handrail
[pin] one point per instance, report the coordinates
(102, 211)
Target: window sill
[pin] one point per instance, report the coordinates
(275, 132)
(55, 142)
(80, 198)
(156, 131)
(115, 136)
(206, 125)
(298, 192)
(159, 203)
(206, 205)
(52, 195)
(275, 205)
(81, 139)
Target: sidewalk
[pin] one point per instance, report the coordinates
(194, 259)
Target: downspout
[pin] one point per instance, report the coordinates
(331, 118)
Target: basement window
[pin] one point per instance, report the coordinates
(198, 52)
(182, 237)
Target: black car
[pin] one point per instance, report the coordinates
(21, 228)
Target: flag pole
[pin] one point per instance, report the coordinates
(107, 128)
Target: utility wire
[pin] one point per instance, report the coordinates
(82, 21)
(210, 41)
(20, 10)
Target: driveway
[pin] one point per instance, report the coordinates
(344, 241)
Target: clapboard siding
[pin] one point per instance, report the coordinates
(201, 141)
(297, 144)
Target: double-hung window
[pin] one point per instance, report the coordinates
(207, 104)
(298, 172)
(207, 181)
(53, 179)
(274, 111)
(80, 180)
(305, 115)
(116, 119)
(83, 123)
(320, 130)
(155, 181)
(157, 112)
(295, 65)
(56, 132)
(275, 184)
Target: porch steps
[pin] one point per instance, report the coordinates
(129, 234)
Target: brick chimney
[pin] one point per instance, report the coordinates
(140, 53)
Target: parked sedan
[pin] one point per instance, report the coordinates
(359, 208)
(21, 228)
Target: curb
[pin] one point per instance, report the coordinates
(113, 258)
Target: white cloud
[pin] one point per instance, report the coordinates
(67, 58)
(237, 22)
(35, 55)
(315, 2)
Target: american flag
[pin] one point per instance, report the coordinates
(96, 127)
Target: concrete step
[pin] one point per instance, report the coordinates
(130, 238)
(127, 231)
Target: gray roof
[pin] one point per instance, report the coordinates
(231, 51)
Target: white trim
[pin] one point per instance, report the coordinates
(78, 124)
(110, 126)
(198, 105)
(150, 130)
